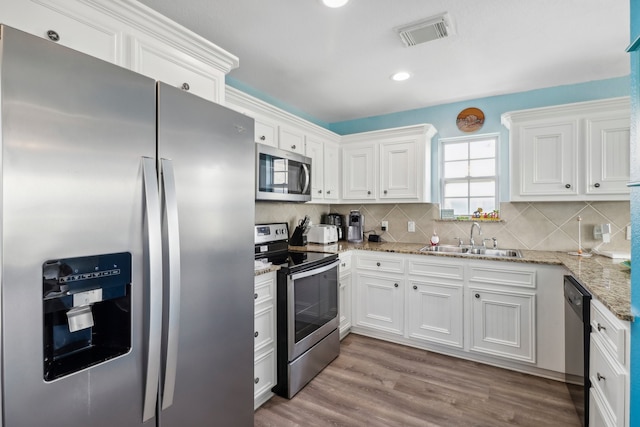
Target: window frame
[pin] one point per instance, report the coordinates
(467, 179)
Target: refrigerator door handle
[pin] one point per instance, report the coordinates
(153, 230)
(172, 251)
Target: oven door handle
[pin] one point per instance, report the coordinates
(313, 271)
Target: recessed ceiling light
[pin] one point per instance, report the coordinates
(400, 76)
(334, 3)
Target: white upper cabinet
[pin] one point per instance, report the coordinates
(315, 150)
(291, 139)
(358, 172)
(570, 152)
(129, 34)
(388, 166)
(266, 133)
(69, 23)
(331, 172)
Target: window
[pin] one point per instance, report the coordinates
(469, 174)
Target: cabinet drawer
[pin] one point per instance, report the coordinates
(264, 333)
(610, 330)
(608, 379)
(503, 276)
(390, 265)
(264, 288)
(264, 372)
(436, 269)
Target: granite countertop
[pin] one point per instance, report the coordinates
(607, 280)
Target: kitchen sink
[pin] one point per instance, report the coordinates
(446, 248)
(466, 250)
(509, 253)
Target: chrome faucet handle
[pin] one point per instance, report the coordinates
(495, 242)
(484, 242)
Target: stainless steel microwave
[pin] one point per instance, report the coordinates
(282, 175)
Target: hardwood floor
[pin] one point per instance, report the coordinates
(376, 383)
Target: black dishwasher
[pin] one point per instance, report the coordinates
(577, 328)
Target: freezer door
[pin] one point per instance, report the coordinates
(74, 130)
(211, 152)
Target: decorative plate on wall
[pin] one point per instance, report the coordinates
(470, 119)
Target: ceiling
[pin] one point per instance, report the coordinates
(335, 64)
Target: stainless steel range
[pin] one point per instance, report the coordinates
(307, 308)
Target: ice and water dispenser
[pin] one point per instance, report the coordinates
(86, 305)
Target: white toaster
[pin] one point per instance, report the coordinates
(322, 233)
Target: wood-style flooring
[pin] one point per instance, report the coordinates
(376, 383)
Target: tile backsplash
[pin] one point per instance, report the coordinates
(549, 226)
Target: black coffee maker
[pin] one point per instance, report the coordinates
(340, 223)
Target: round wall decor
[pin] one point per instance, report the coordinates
(470, 119)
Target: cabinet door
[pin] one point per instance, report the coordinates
(399, 170)
(503, 324)
(358, 172)
(266, 133)
(331, 171)
(315, 150)
(435, 312)
(176, 68)
(291, 139)
(67, 23)
(608, 378)
(344, 304)
(380, 303)
(546, 161)
(608, 142)
(597, 411)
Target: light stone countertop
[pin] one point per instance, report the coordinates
(607, 280)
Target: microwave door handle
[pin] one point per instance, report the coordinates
(307, 178)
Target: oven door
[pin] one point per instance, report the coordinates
(312, 307)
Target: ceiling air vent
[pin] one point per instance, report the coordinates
(425, 30)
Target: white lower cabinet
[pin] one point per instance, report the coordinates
(608, 369)
(435, 312)
(497, 312)
(344, 295)
(380, 303)
(503, 323)
(264, 356)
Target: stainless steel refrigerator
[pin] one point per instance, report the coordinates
(126, 247)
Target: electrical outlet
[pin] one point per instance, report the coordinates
(411, 226)
(385, 225)
(628, 233)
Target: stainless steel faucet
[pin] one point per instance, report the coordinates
(475, 224)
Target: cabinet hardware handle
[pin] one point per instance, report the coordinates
(597, 185)
(53, 36)
(415, 287)
(378, 264)
(319, 191)
(257, 380)
(344, 264)
(328, 191)
(368, 193)
(567, 186)
(601, 328)
(385, 191)
(185, 86)
(262, 138)
(477, 295)
(395, 285)
(293, 147)
(255, 334)
(600, 377)
(255, 296)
